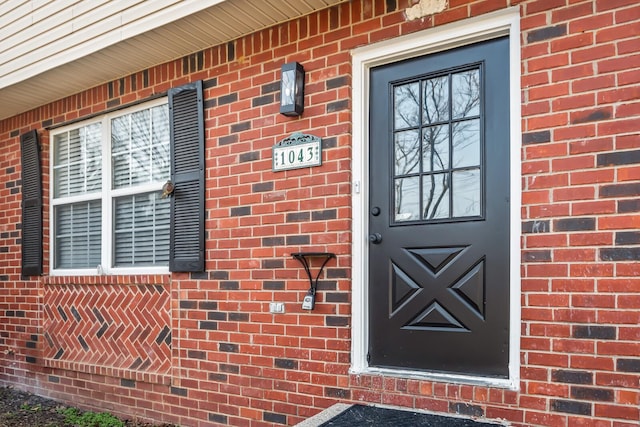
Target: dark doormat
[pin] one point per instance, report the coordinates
(360, 415)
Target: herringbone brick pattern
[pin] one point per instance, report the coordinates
(108, 326)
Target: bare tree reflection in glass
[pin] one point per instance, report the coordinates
(437, 147)
(406, 150)
(462, 131)
(465, 88)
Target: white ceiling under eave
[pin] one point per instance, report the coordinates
(113, 48)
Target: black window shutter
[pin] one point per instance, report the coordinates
(186, 112)
(31, 205)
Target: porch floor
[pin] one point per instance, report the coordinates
(346, 415)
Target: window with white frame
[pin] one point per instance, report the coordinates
(106, 206)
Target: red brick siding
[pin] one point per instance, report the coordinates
(234, 363)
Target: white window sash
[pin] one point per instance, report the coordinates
(107, 196)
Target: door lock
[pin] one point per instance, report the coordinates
(375, 238)
(309, 300)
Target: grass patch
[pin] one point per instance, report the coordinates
(90, 419)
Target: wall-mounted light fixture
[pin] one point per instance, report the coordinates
(292, 89)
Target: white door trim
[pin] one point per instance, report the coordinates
(502, 23)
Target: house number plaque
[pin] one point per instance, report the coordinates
(297, 151)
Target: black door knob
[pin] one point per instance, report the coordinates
(375, 211)
(375, 238)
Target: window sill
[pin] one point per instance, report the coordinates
(128, 279)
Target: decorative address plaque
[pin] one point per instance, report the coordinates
(297, 151)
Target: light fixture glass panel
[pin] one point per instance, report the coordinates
(291, 89)
(288, 95)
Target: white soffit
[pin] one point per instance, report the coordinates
(50, 49)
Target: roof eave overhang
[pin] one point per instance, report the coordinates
(138, 45)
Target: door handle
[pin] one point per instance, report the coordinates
(375, 238)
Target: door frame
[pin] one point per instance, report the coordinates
(502, 23)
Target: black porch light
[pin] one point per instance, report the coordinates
(292, 89)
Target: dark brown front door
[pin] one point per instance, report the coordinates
(439, 212)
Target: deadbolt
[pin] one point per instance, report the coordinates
(375, 211)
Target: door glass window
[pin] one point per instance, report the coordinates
(407, 107)
(407, 151)
(435, 100)
(438, 147)
(435, 148)
(406, 194)
(435, 195)
(465, 96)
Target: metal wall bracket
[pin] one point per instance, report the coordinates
(304, 257)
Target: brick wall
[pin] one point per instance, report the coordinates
(581, 147)
(231, 362)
